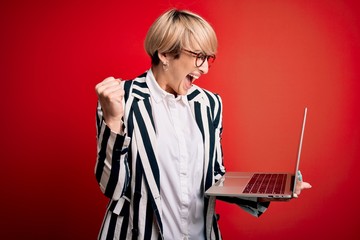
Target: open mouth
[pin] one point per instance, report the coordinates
(192, 77)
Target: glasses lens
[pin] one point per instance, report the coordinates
(200, 59)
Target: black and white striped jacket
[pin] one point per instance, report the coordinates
(127, 171)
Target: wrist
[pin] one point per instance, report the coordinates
(116, 126)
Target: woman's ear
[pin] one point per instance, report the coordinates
(163, 58)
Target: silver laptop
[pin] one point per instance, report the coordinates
(259, 184)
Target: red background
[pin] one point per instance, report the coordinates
(275, 57)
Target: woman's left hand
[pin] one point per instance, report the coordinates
(300, 185)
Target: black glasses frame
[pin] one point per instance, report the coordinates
(201, 57)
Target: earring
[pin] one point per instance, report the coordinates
(165, 66)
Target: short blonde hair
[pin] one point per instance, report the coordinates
(178, 29)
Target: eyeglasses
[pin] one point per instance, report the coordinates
(201, 57)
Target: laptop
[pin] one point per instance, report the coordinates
(259, 184)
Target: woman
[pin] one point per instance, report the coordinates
(159, 143)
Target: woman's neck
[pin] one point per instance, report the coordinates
(161, 78)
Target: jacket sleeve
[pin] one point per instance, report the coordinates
(112, 169)
(250, 205)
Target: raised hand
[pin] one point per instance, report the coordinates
(111, 93)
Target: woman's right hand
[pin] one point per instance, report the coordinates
(111, 93)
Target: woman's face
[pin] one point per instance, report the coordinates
(182, 72)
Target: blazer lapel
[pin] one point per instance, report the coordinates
(201, 110)
(144, 136)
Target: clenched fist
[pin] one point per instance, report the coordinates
(111, 93)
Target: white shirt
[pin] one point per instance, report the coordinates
(180, 160)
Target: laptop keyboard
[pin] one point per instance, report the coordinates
(266, 184)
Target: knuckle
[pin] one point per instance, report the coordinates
(109, 78)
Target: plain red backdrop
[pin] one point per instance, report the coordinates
(275, 57)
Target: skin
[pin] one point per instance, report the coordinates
(173, 79)
(110, 93)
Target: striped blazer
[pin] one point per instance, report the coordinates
(127, 171)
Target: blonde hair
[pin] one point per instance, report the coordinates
(178, 29)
